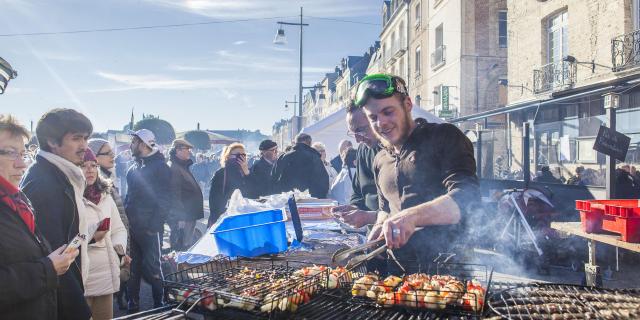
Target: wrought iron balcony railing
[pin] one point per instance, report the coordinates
(625, 51)
(554, 76)
(438, 56)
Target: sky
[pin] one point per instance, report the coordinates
(226, 75)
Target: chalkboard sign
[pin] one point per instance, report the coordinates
(612, 143)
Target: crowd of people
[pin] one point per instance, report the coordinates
(81, 225)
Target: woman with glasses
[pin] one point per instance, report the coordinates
(106, 160)
(28, 269)
(104, 273)
(232, 175)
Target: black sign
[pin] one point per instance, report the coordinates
(612, 143)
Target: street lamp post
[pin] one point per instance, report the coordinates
(281, 39)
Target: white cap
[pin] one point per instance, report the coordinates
(146, 136)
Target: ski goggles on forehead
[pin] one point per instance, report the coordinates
(377, 86)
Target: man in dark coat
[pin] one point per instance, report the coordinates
(188, 202)
(302, 169)
(147, 205)
(28, 269)
(260, 175)
(51, 184)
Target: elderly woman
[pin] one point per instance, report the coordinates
(28, 269)
(320, 147)
(104, 273)
(232, 175)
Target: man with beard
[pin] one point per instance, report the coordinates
(425, 174)
(363, 206)
(260, 175)
(55, 185)
(147, 205)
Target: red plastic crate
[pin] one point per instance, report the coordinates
(618, 216)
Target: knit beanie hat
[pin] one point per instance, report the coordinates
(96, 144)
(89, 156)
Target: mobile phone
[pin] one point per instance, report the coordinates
(76, 242)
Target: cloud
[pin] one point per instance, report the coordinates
(262, 63)
(239, 42)
(233, 9)
(179, 67)
(156, 82)
(278, 48)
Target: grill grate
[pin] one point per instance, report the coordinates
(244, 284)
(560, 301)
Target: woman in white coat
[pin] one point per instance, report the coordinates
(104, 271)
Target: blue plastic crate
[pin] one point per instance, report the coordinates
(251, 234)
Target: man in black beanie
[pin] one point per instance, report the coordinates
(260, 175)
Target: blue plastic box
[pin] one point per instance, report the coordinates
(251, 234)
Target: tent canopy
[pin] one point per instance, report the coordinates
(332, 129)
(214, 138)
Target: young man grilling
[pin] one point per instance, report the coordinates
(425, 174)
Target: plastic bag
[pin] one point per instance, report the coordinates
(239, 205)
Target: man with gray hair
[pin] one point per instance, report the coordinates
(301, 168)
(336, 162)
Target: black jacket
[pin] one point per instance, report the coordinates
(336, 163)
(188, 201)
(365, 192)
(56, 213)
(302, 169)
(224, 182)
(29, 281)
(260, 178)
(149, 197)
(436, 159)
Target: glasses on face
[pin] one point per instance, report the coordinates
(360, 132)
(274, 149)
(108, 154)
(15, 155)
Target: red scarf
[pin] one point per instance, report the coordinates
(92, 193)
(10, 196)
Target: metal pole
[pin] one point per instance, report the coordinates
(479, 150)
(300, 78)
(526, 171)
(610, 161)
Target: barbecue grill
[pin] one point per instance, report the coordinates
(561, 301)
(263, 288)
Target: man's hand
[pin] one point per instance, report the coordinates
(99, 235)
(397, 229)
(344, 208)
(358, 218)
(62, 260)
(376, 233)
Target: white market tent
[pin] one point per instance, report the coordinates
(332, 129)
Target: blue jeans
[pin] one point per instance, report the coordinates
(145, 264)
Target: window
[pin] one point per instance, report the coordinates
(436, 96)
(439, 35)
(401, 30)
(418, 61)
(502, 29)
(636, 14)
(558, 38)
(418, 14)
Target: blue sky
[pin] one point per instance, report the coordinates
(225, 76)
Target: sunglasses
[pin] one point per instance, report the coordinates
(378, 86)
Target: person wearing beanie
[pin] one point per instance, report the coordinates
(260, 175)
(188, 202)
(104, 268)
(105, 159)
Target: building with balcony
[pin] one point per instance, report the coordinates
(394, 38)
(464, 49)
(564, 55)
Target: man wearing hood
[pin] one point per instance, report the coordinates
(301, 168)
(188, 202)
(147, 205)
